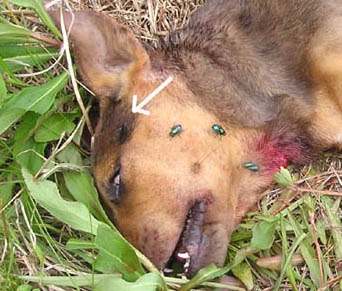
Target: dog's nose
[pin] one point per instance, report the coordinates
(205, 197)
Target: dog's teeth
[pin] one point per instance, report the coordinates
(186, 266)
(167, 270)
(184, 255)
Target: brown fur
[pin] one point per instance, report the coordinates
(268, 71)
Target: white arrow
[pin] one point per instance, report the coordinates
(138, 109)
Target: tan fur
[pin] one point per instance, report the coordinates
(325, 63)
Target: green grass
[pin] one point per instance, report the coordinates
(54, 232)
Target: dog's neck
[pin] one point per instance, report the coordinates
(274, 148)
(264, 152)
(279, 151)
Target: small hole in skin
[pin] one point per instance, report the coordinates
(196, 167)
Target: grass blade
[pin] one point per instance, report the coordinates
(38, 99)
(307, 251)
(37, 6)
(288, 260)
(116, 255)
(75, 214)
(71, 281)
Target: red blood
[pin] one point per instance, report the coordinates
(278, 151)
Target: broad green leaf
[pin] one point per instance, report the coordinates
(71, 155)
(10, 51)
(17, 40)
(11, 78)
(148, 282)
(283, 177)
(116, 255)
(6, 190)
(321, 229)
(81, 184)
(24, 288)
(52, 168)
(17, 63)
(244, 274)
(9, 30)
(70, 281)
(75, 214)
(241, 234)
(263, 235)
(16, 57)
(11, 34)
(30, 123)
(27, 152)
(8, 116)
(31, 154)
(54, 126)
(208, 273)
(267, 218)
(22, 133)
(81, 187)
(3, 90)
(38, 99)
(37, 6)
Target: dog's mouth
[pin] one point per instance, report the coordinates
(192, 242)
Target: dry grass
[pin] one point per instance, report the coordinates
(147, 18)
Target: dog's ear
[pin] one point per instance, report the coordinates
(107, 54)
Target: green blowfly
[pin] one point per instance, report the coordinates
(218, 129)
(251, 166)
(175, 130)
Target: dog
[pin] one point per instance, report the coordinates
(256, 84)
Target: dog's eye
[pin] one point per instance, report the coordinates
(115, 187)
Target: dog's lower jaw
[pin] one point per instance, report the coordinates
(193, 242)
(211, 249)
(203, 240)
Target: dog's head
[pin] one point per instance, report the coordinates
(173, 181)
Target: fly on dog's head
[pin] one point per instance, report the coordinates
(174, 180)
